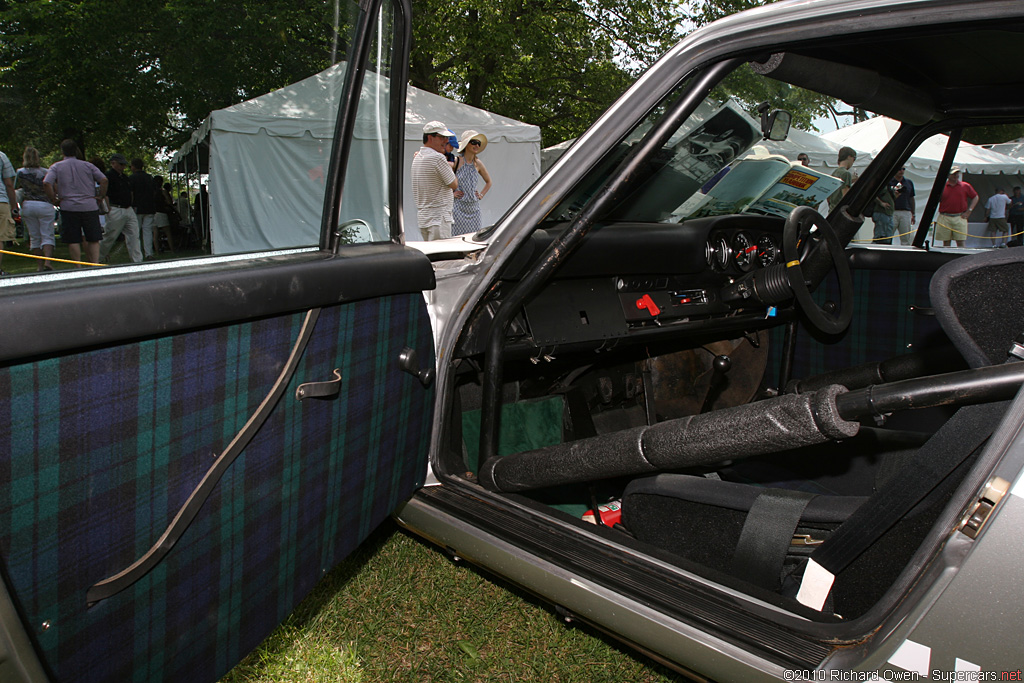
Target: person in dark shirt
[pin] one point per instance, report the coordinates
(882, 216)
(1016, 214)
(201, 214)
(144, 203)
(122, 218)
(905, 214)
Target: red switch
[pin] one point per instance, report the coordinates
(646, 302)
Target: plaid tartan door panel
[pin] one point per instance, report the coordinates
(99, 450)
(882, 327)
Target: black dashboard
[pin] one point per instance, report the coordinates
(641, 280)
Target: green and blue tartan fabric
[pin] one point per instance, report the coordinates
(881, 328)
(99, 450)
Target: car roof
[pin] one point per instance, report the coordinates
(956, 58)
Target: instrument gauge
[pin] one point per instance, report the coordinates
(767, 251)
(722, 252)
(745, 252)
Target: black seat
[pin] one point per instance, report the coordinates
(763, 534)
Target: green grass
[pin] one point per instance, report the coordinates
(21, 262)
(400, 610)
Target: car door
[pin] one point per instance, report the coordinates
(187, 447)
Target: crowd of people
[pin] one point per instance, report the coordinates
(94, 206)
(448, 182)
(894, 212)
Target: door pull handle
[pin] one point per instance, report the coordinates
(328, 389)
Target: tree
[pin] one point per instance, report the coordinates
(993, 135)
(138, 76)
(553, 63)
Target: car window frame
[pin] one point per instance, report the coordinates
(356, 70)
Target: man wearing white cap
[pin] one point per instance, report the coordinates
(433, 183)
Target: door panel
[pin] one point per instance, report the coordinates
(100, 448)
(891, 316)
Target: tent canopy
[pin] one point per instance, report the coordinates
(1013, 148)
(871, 135)
(309, 107)
(266, 159)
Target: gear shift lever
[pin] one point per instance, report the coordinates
(720, 366)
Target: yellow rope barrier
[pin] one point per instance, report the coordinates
(914, 232)
(885, 239)
(983, 237)
(50, 258)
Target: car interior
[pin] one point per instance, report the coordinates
(741, 390)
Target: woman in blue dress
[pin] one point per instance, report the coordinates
(470, 170)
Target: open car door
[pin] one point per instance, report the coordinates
(186, 447)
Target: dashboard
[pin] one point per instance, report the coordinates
(635, 280)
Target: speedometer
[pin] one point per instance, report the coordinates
(767, 251)
(745, 252)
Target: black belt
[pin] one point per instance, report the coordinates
(950, 214)
(120, 206)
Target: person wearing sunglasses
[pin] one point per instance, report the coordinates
(474, 183)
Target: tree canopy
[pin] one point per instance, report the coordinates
(553, 63)
(138, 76)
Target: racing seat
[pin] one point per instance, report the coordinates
(765, 535)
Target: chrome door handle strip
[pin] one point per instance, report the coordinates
(187, 513)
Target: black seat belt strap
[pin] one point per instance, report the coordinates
(951, 445)
(766, 536)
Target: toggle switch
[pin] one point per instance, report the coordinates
(646, 302)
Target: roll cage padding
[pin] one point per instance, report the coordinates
(770, 426)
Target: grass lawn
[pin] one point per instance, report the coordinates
(20, 260)
(400, 610)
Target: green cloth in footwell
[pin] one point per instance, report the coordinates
(527, 425)
(524, 426)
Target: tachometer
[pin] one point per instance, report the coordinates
(745, 252)
(767, 251)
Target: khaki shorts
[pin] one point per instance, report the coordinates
(949, 228)
(8, 231)
(998, 225)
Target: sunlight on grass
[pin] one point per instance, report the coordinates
(401, 611)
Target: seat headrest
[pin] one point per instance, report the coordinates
(979, 302)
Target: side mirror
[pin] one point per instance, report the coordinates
(776, 125)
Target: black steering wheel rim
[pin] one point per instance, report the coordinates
(798, 227)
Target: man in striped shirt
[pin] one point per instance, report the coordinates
(433, 182)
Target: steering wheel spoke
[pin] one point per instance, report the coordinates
(796, 245)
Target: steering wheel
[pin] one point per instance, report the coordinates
(800, 227)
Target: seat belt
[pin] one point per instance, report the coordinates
(951, 445)
(767, 535)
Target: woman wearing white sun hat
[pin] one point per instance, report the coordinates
(470, 170)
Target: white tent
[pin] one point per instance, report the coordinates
(267, 159)
(1013, 148)
(983, 168)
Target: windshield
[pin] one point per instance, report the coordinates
(716, 163)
